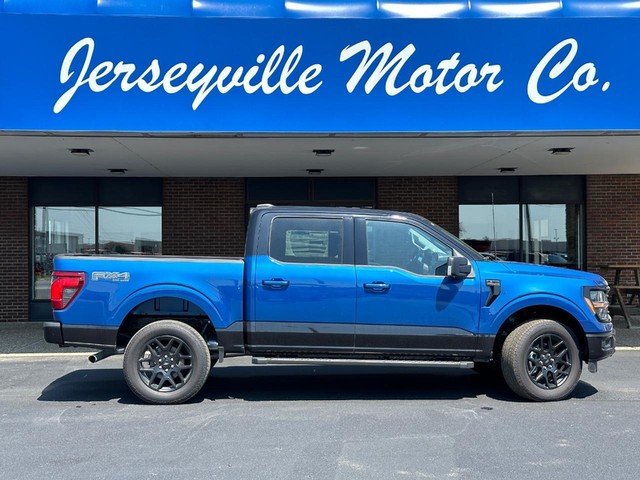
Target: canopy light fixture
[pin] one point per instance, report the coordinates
(561, 150)
(315, 171)
(118, 171)
(80, 152)
(507, 169)
(323, 152)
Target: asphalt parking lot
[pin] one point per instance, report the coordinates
(65, 418)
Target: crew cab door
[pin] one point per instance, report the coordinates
(304, 286)
(406, 304)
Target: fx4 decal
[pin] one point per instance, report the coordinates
(111, 276)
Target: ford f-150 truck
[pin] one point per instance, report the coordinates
(333, 285)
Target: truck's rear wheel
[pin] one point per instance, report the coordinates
(166, 362)
(541, 361)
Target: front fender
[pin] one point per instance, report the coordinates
(500, 316)
(218, 313)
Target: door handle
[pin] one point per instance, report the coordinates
(276, 283)
(377, 287)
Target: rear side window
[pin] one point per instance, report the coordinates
(307, 240)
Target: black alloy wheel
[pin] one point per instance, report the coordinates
(549, 361)
(166, 363)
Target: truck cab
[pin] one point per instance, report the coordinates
(363, 283)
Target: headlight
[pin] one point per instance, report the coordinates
(598, 303)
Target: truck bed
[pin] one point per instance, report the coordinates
(118, 285)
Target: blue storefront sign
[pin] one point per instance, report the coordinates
(67, 73)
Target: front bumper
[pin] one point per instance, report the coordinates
(601, 345)
(80, 335)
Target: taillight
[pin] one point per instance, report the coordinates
(64, 288)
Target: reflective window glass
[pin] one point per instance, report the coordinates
(535, 219)
(493, 230)
(404, 246)
(130, 230)
(59, 230)
(89, 215)
(306, 240)
(550, 234)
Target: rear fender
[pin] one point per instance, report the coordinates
(218, 314)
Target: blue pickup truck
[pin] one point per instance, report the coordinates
(333, 285)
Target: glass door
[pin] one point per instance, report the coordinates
(493, 230)
(551, 234)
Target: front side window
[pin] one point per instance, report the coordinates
(406, 247)
(307, 240)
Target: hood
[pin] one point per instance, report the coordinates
(542, 270)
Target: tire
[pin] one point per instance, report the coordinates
(166, 362)
(541, 361)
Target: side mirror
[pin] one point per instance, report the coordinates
(458, 267)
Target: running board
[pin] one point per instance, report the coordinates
(343, 361)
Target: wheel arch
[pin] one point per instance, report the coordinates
(167, 302)
(540, 312)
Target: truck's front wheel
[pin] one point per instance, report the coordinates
(166, 362)
(541, 361)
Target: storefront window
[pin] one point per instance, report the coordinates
(121, 230)
(528, 219)
(130, 230)
(90, 215)
(493, 230)
(59, 230)
(550, 234)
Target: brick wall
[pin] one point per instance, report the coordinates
(435, 198)
(206, 216)
(203, 216)
(613, 221)
(14, 249)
